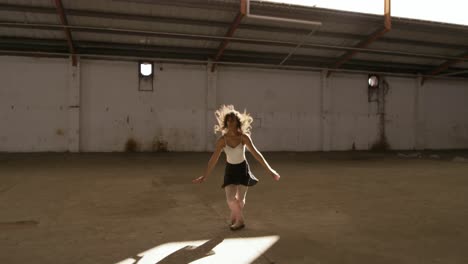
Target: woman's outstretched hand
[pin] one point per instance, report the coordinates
(199, 179)
(275, 175)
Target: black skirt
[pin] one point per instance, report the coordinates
(238, 174)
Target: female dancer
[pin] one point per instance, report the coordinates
(235, 136)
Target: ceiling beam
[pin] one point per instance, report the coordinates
(268, 42)
(454, 73)
(324, 15)
(162, 52)
(87, 47)
(372, 38)
(222, 24)
(444, 66)
(336, 35)
(232, 29)
(63, 19)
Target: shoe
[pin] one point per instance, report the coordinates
(234, 228)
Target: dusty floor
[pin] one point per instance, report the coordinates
(352, 207)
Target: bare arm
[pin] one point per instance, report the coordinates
(258, 156)
(212, 162)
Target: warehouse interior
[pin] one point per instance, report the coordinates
(107, 112)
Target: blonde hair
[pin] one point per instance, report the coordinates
(243, 119)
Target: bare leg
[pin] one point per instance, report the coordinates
(241, 195)
(232, 202)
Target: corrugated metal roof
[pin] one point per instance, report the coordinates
(429, 34)
(28, 17)
(194, 29)
(31, 33)
(463, 65)
(43, 3)
(397, 59)
(284, 50)
(295, 37)
(144, 41)
(139, 8)
(416, 49)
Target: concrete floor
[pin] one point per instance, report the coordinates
(348, 207)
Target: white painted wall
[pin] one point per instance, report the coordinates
(285, 105)
(400, 109)
(446, 114)
(353, 119)
(114, 111)
(33, 104)
(48, 105)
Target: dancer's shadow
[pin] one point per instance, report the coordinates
(190, 253)
(258, 242)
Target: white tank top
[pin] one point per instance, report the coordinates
(234, 155)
